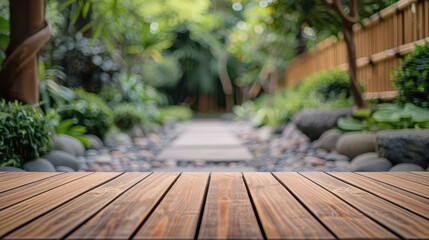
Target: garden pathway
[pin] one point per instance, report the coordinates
(209, 141)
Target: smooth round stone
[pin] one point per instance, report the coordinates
(370, 162)
(11, 169)
(406, 167)
(39, 165)
(353, 144)
(60, 158)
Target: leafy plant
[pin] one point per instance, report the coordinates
(387, 116)
(67, 127)
(24, 133)
(329, 89)
(180, 113)
(126, 115)
(412, 77)
(324, 87)
(88, 110)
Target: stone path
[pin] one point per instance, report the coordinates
(208, 141)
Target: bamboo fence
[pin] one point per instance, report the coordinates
(381, 41)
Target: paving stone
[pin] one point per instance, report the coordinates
(206, 153)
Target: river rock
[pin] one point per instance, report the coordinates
(60, 158)
(370, 162)
(68, 144)
(353, 144)
(64, 169)
(39, 165)
(406, 167)
(328, 139)
(404, 146)
(115, 138)
(314, 122)
(11, 169)
(95, 142)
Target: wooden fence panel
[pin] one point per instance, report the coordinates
(380, 41)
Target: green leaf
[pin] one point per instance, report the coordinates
(349, 124)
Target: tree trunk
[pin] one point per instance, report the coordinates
(225, 81)
(28, 34)
(351, 56)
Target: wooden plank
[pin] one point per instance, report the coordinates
(412, 202)
(121, 218)
(23, 212)
(342, 219)
(410, 186)
(281, 215)
(228, 211)
(15, 180)
(177, 216)
(393, 217)
(423, 174)
(35, 188)
(62, 220)
(410, 177)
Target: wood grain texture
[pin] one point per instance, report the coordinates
(121, 218)
(281, 215)
(22, 193)
(395, 218)
(410, 186)
(410, 177)
(342, 219)
(177, 216)
(228, 212)
(59, 222)
(423, 174)
(12, 181)
(23, 212)
(412, 202)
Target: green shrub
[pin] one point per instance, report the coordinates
(324, 88)
(24, 133)
(387, 116)
(126, 115)
(179, 113)
(329, 89)
(412, 77)
(90, 111)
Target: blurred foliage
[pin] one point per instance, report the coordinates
(67, 127)
(127, 115)
(328, 90)
(25, 134)
(412, 77)
(178, 113)
(88, 110)
(164, 73)
(387, 116)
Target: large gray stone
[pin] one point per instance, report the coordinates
(406, 167)
(370, 162)
(95, 142)
(39, 165)
(60, 158)
(11, 169)
(404, 146)
(68, 144)
(314, 122)
(329, 139)
(353, 144)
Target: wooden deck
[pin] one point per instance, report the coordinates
(214, 206)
